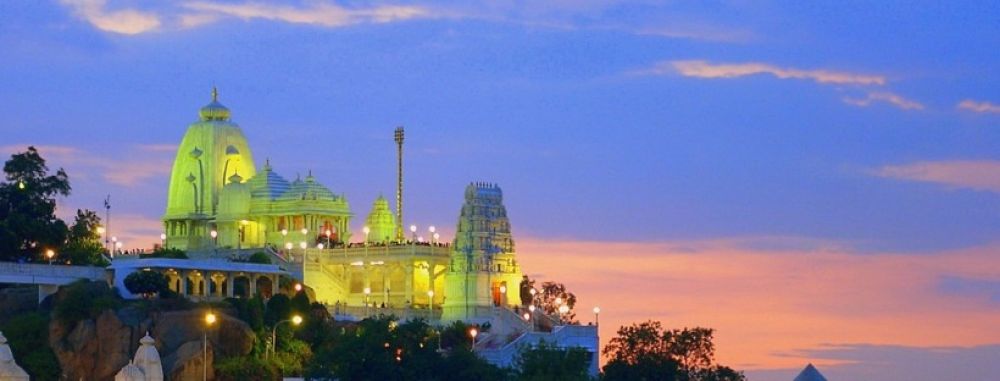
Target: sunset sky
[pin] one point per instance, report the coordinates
(819, 181)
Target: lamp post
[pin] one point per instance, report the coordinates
(328, 232)
(209, 320)
(243, 226)
(430, 304)
(473, 332)
(163, 240)
(215, 240)
(296, 320)
(119, 245)
(413, 231)
(597, 316)
(503, 295)
(366, 230)
(531, 309)
(114, 245)
(50, 254)
(368, 291)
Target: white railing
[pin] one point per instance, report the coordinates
(51, 271)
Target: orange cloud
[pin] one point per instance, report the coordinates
(886, 97)
(317, 13)
(979, 106)
(767, 303)
(124, 21)
(705, 69)
(981, 175)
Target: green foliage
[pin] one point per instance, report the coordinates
(28, 336)
(259, 257)
(554, 295)
(646, 350)
(379, 349)
(279, 308)
(146, 283)
(84, 299)
(300, 303)
(291, 356)
(84, 247)
(243, 368)
(163, 252)
(28, 225)
(547, 362)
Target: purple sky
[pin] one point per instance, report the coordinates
(752, 132)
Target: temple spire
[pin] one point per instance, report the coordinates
(215, 94)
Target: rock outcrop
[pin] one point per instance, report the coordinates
(97, 349)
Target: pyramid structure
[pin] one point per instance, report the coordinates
(810, 374)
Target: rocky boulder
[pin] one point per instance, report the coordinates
(188, 362)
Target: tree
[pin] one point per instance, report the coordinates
(259, 257)
(146, 283)
(380, 349)
(83, 246)
(552, 297)
(525, 287)
(647, 351)
(28, 225)
(547, 362)
(165, 252)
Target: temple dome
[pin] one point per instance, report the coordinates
(214, 111)
(268, 185)
(308, 189)
(381, 222)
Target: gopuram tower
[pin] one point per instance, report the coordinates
(482, 272)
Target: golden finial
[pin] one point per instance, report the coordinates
(215, 94)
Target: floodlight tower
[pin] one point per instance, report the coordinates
(399, 183)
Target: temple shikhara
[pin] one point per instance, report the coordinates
(222, 205)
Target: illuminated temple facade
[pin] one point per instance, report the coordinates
(220, 203)
(221, 206)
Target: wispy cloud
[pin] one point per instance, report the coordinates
(82, 164)
(121, 21)
(981, 175)
(705, 69)
(885, 97)
(985, 107)
(317, 13)
(699, 33)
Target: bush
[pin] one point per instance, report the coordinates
(84, 299)
(259, 257)
(245, 368)
(28, 336)
(162, 252)
(146, 283)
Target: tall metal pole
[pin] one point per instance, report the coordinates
(399, 183)
(107, 224)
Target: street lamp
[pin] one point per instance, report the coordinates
(209, 320)
(413, 229)
(284, 232)
(50, 254)
(298, 287)
(503, 294)
(366, 230)
(473, 332)
(597, 315)
(430, 304)
(163, 240)
(368, 291)
(288, 245)
(328, 232)
(243, 226)
(303, 245)
(437, 238)
(319, 246)
(305, 231)
(296, 320)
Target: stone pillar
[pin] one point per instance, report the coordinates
(230, 282)
(253, 284)
(408, 269)
(184, 283)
